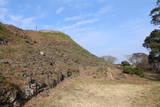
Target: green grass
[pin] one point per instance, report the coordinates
(11, 73)
(9, 35)
(73, 45)
(7, 50)
(56, 34)
(2, 76)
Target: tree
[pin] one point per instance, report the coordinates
(155, 14)
(140, 60)
(152, 43)
(125, 63)
(110, 59)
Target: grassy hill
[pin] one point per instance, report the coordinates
(30, 61)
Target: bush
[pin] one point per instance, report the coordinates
(131, 70)
(125, 63)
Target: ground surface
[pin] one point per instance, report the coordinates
(87, 92)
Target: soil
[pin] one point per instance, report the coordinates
(89, 92)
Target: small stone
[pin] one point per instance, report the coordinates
(41, 53)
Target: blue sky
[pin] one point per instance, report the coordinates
(104, 27)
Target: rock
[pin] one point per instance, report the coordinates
(3, 98)
(27, 92)
(8, 97)
(24, 74)
(32, 89)
(31, 42)
(29, 80)
(3, 41)
(60, 77)
(12, 96)
(69, 73)
(16, 104)
(41, 53)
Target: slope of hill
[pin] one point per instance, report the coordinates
(32, 61)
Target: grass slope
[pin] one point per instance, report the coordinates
(22, 54)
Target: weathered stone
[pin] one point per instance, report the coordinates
(29, 80)
(16, 104)
(8, 97)
(12, 96)
(32, 89)
(3, 41)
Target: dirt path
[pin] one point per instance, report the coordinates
(85, 92)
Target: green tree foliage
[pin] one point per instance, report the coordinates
(131, 70)
(128, 69)
(155, 14)
(125, 63)
(152, 43)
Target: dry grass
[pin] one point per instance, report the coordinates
(86, 92)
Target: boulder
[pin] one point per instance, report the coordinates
(32, 89)
(8, 97)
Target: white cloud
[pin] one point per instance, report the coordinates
(84, 22)
(73, 3)
(3, 2)
(21, 21)
(18, 20)
(83, 29)
(77, 17)
(93, 38)
(99, 13)
(59, 10)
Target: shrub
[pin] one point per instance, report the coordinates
(131, 70)
(125, 63)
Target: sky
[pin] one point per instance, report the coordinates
(103, 27)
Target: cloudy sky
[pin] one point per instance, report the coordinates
(104, 27)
